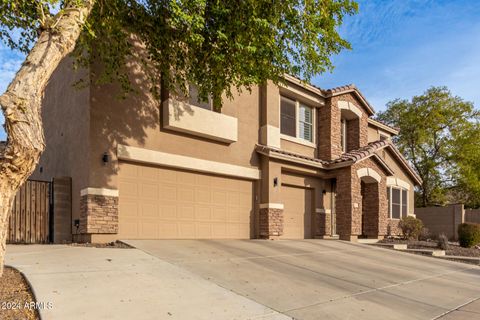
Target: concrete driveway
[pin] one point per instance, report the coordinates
(320, 279)
(91, 283)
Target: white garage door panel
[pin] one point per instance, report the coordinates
(161, 203)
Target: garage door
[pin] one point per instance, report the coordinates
(162, 203)
(297, 212)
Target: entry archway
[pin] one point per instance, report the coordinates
(370, 191)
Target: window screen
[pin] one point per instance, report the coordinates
(287, 117)
(396, 203)
(305, 124)
(343, 134)
(404, 203)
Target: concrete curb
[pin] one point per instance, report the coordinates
(427, 252)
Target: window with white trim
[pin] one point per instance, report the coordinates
(397, 202)
(305, 123)
(296, 119)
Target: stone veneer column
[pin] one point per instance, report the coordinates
(271, 220)
(98, 211)
(324, 218)
(328, 129)
(344, 203)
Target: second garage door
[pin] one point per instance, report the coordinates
(297, 212)
(163, 203)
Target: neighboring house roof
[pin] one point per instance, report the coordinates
(347, 159)
(383, 126)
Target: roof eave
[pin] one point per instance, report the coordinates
(359, 96)
(383, 126)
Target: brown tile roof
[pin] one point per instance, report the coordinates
(347, 158)
(350, 88)
(404, 161)
(361, 153)
(266, 149)
(352, 156)
(340, 89)
(337, 90)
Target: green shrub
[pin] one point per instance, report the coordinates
(425, 235)
(468, 234)
(411, 227)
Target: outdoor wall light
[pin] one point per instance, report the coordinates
(105, 158)
(275, 181)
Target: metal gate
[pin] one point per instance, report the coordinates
(31, 216)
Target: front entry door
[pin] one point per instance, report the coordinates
(333, 217)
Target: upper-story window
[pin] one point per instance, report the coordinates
(343, 134)
(195, 100)
(296, 119)
(397, 202)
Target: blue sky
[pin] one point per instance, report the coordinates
(400, 48)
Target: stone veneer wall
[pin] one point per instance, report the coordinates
(349, 202)
(392, 227)
(324, 227)
(329, 128)
(270, 222)
(344, 205)
(357, 130)
(98, 214)
(381, 199)
(329, 146)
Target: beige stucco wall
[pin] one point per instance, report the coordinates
(66, 123)
(373, 134)
(298, 148)
(137, 121)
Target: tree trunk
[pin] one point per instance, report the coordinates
(21, 106)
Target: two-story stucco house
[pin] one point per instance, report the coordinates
(291, 162)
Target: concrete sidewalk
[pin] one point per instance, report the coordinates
(91, 283)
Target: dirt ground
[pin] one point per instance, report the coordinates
(15, 297)
(116, 244)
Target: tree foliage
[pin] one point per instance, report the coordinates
(218, 45)
(437, 135)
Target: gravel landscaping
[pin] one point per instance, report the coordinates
(16, 297)
(116, 244)
(453, 248)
